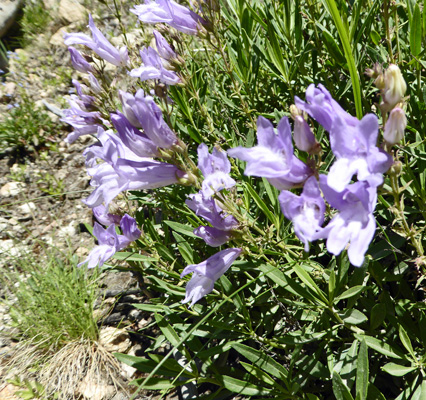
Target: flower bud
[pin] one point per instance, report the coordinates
(303, 136)
(78, 61)
(394, 89)
(94, 84)
(164, 49)
(395, 126)
(396, 168)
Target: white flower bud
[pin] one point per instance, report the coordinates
(395, 126)
(394, 89)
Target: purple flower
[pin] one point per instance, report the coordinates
(206, 273)
(169, 12)
(303, 136)
(138, 142)
(101, 214)
(305, 211)
(212, 236)
(353, 141)
(356, 153)
(100, 45)
(78, 61)
(215, 168)
(164, 49)
(152, 68)
(206, 207)
(273, 157)
(84, 122)
(223, 224)
(141, 111)
(123, 170)
(323, 108)
(355, 223)
(110, 242)
(94, 84)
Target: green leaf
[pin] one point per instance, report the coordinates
(261, 204)
(381, 347)
(170, 368)
(353, 317)
(344, 37)
(261, 360)
(242, 387)
(351, 292)
(308, 281)
(362, 372)
(333, 47)
(151, 307)
(181, 228)
(275, 53)
(378, 315)
(331, 285)
(158, 383)
(406, 341)
(375, 37)
(340, 390)
(416, 32)
(261, 375)
(184, 248)
(131, 256)
(397, 370)
(374, 393)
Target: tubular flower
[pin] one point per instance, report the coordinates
(215, 168)
(143, 112)
(305, 211)
(273, 157)
(110, 242)
(100, 45)
(354, 224)
(222, 224)
(206, 273)
(153, 68)
(169, 12)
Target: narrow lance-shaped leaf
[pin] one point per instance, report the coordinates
(416, 32)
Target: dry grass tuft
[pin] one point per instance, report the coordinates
(80, 369)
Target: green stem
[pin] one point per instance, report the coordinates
(399, 211)
(344, 37)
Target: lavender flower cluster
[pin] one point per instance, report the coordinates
(130, 142)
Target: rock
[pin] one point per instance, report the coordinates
(68, 231)
(8, 392)
(114, 340)
(118, 283)
(7, 90)
(27, 208)
(72, 11)
(57, 38)
(127, 371)
(95, 390)
(12, 189)
(8, 247)
(8, 13)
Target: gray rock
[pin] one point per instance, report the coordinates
(8, 12)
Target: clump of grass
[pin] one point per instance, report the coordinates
(53, 299)
(51, 307)
(78, 364)
(25, 126)
(35, 19)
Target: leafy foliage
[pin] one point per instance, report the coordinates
(282, 323)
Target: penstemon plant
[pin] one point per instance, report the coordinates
(276, 289)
